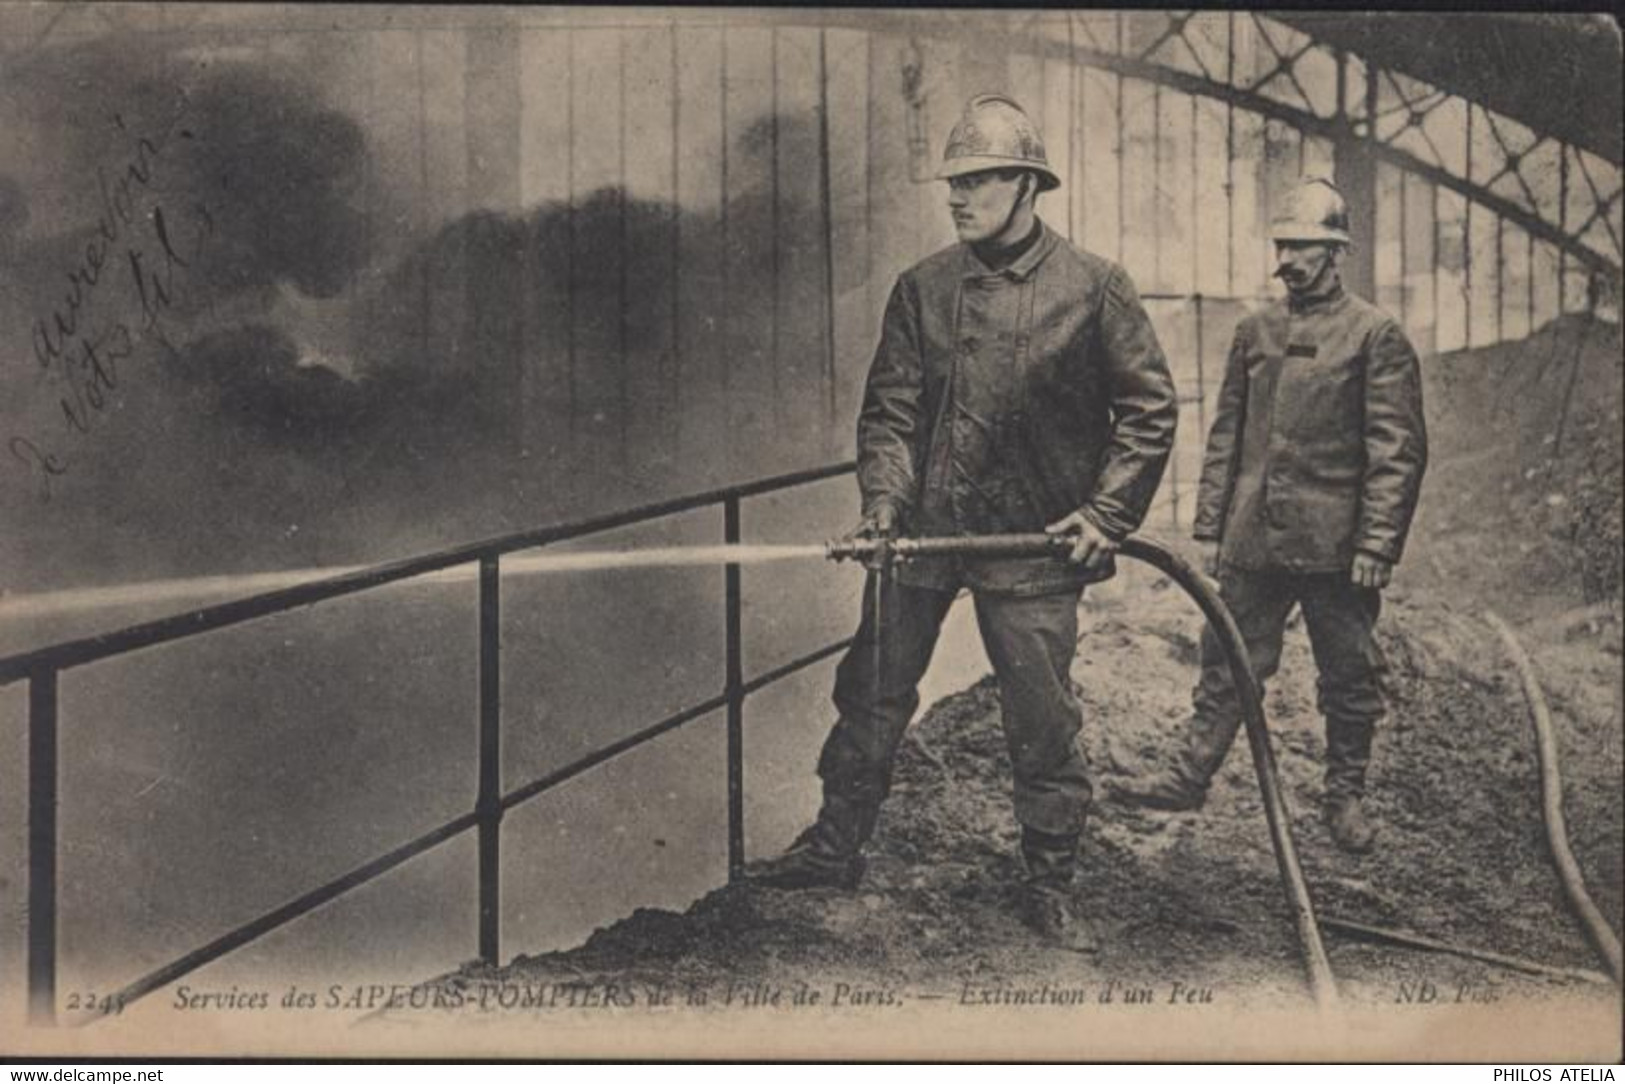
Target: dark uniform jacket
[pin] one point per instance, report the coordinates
(1318, 445)
(1002, 401)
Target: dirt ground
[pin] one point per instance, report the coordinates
(1512, 521)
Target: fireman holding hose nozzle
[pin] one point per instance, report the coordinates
(1313, 467)
(1017, 387)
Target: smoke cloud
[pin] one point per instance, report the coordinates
(407, 404)
(280, 174)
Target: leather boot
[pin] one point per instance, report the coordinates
(824, 855)
(1348, 755)
(1175, 789)
(1048, 906)
(1182, 787)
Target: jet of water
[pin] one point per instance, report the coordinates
(659, 556)
(47, 604)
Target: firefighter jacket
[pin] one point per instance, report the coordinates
(1318, 445)
(1002, 401)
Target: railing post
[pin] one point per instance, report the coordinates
(42, 781)
(489, 802)
(735, 692)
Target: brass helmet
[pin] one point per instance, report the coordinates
(996, 133)
(1313, 211)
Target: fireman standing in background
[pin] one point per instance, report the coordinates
(1311, 476)
(1018, 386)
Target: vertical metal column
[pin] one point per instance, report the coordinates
(735, 693)
(1563, 227)
(1574, 366)
(570, 231)
(623, 379)
(826, 212)
(1156, 208)
(775, 241)
(1230, 157)
(42, 781)
(366, 304)
(1040, 58)
(1264, 201)
(489, 803)
(1529, 279)
(675, 383)
(1467, 242)
(425, 297)
(491, 113)
(1404, 251)
(1156, 254)
(1500, 278)
(868, 174)
(1173, 490)
(725, 331)
(1201, 375)
(1357, 170)
(1343, 91)
(1438, 278)
(1122, 154)
(1196, 231)
(1368, 233)
(1075, 155)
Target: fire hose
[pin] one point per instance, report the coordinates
(1551, 804)
(880, 553)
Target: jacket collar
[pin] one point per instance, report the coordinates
(973, 268)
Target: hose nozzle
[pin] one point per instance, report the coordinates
(853, 548)
(870, 550)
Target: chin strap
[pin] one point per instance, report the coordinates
(1015, 205)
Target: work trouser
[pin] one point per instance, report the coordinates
(1030, 641)
(1341, 618)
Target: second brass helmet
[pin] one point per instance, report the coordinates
(1313, 211)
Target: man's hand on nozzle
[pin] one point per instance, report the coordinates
(881, 523)
(1091, 547)
(1371, 571)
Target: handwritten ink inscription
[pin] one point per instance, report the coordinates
(127, 278)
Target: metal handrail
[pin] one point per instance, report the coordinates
(70, 653)
(41, 667)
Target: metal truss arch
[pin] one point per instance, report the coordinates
(1589, 235)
